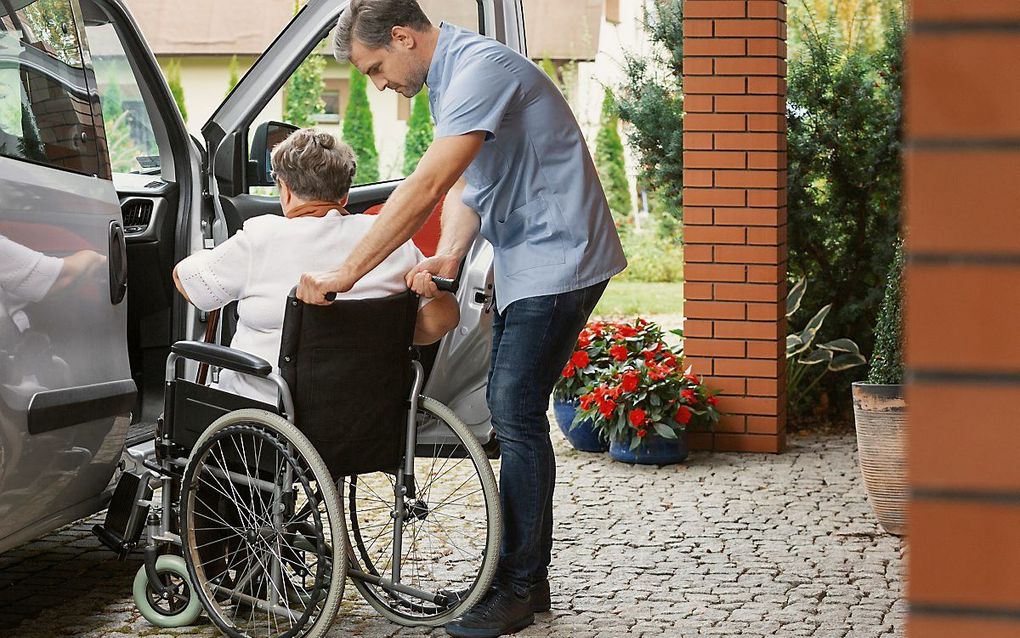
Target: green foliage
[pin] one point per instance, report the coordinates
(173, 79)
(358, 131)
(844, 171)
(652, 102)
(609, 159)
(234, 68)
(887, 359)
(549, 67)
(651, 258)
(802, 355)
(303, 96)
(419, 131)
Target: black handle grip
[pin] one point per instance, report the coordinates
(446, 285)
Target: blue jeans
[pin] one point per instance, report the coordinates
(532, 339)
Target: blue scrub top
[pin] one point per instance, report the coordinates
(533, 183)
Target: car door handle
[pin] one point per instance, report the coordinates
(117, 263)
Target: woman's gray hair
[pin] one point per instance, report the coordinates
(372, 22)
(315, 165)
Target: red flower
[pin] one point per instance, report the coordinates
(580, 359)
(614, 393)
(641, 433)
(568, 370)
(683, 415)
(690, 396)
(583, 340)
(625, 331)
(656, 372)
(607, 407)
(713, 401)
(693, 379)
(619, 352)
(587, 400)
(637, 417)
(630, 381)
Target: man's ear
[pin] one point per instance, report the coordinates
(403, 37)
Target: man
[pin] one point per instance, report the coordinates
(512, 158)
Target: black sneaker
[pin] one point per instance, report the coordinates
(501, 611)
(540, 597)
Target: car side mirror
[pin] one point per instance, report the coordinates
(267, 136)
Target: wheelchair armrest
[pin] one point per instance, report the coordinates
(223, 357)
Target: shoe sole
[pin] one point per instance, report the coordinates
(467, 632)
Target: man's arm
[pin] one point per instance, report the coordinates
(403, 214)
(459, 225)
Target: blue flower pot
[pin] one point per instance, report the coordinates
(655, 451)
(584, 437)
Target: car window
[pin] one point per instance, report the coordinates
(383, 128)
(129, 137)
(45, 112)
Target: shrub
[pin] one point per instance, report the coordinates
(173, 80)
(234, 69)
(419, 131)
(844, 172)
(651, 258)
(609, 159)
(887, 359)
(302, 99)
(358, 130)
(652, 103)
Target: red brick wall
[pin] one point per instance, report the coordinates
(735, 215)
(962, 212)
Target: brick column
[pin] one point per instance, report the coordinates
(962, 197)
(735, 214)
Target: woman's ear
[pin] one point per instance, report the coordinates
(343, 202)
(285, 194)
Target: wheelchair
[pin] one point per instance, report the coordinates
(266, 509)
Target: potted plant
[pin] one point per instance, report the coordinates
(880, 411)
(593, 357)
(644, 403)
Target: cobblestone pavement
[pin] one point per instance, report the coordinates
(724, 545)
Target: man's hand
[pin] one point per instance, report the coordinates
(419, 279)
(313, 286)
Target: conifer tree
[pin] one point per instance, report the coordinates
(609, 158)
(419, 131)
(358, 131)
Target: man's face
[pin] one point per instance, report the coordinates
(395, 67)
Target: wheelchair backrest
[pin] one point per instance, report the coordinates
(348, 366)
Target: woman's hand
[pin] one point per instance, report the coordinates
(313, 286)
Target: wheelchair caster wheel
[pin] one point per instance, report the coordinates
(178, 606)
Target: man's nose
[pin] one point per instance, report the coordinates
(379, 83)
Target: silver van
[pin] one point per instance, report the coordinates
(90, 232)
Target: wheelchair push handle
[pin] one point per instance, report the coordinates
(444, 284)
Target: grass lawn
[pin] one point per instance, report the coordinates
(630, 298)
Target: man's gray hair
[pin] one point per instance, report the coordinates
(372, 22)
(315, 165)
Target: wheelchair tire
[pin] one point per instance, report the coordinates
(257, 536)
(181, 607)
(427, 541)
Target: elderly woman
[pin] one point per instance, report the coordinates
(260, 264)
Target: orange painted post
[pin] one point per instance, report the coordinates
(961, 203)
(735, 215)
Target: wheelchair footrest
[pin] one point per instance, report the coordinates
(125, 517)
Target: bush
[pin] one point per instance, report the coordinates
(844, 172)
(651, 258)
(173, 80)
(419, 131)
(887, 360)
(652, 102)
(609, 159)
(358, 131)
(234, 69)
(303, 97)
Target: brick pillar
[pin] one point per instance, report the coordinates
(961, 205)
(735, 214)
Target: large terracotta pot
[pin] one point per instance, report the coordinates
(880, 414)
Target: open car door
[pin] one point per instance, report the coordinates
(458, 364)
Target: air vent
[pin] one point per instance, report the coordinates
(137, 213)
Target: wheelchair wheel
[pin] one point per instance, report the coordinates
(178, 606)
(262, 529)
(450, 534)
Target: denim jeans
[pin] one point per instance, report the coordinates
(532, 339)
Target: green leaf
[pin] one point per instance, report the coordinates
(794, 297)
(634, 443)
(665, 431)
(841, 345)
(816, 321)
(818, 356)
(846, 361)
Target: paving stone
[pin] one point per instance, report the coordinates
(736, 545)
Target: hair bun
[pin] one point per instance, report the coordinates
(325, 140)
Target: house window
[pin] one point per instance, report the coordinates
(334, 98)
(613, 11)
